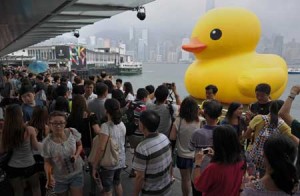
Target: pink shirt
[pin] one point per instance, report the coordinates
(220, 179)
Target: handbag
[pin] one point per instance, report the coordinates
(111, 153)
(110, 157)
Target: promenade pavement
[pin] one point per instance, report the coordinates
(128, 183)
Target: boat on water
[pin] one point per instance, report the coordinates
(293, 70)
(130, 68)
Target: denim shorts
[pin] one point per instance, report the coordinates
(75, 181)
(184, 163)
(110, 178)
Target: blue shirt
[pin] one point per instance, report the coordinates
(28, 109)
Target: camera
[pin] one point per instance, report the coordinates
(205, 150)
(169, 85)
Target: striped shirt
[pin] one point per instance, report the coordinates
(153, 156)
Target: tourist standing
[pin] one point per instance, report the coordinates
(184, 127)
(224, 174)
(21, 139)
(115, 130)
(152, 159)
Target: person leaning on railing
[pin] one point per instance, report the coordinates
(284, 112)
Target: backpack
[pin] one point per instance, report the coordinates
(131, 115)
(255, 155)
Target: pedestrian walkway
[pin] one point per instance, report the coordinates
(128, 183)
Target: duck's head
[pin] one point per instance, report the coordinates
(224, 31)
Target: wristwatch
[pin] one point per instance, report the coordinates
(198, 166)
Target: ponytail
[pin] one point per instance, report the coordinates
(274, 109)
(280, 152)
(116, 116)
(112, 107)
(284, 175)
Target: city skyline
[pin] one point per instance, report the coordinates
(169, 22)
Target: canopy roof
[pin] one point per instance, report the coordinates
(26, 22)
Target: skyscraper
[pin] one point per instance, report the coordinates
(100, 43)
(146, 46)
(185, 56)
(278, 44)
(141, 50)
(145, 36)
(131, 33)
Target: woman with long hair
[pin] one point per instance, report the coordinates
(182, 131)
(260, 128)
(223, 175)
(39, 121)
(234, 118)
(84, 121)
(128, 91)
(61, 152)
(281, 178)
(115, 129)
(21, 139)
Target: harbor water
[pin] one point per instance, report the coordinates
(157, 74)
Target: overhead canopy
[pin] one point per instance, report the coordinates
(26, 22)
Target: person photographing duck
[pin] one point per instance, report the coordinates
(224, 174)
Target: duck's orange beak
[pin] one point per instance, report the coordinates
(194, 46)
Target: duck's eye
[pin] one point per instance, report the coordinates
(215, 34)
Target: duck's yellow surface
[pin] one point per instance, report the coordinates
(224, 42)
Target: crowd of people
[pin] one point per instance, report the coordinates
(56, 127)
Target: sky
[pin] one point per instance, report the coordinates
(177, 17)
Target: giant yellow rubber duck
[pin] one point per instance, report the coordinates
(224, 42)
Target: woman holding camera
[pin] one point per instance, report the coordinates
(61, 150)
(224, 174)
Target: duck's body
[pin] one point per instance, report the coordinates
(230, 62)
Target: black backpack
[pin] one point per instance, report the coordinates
(129, 119)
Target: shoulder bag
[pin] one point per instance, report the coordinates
(110, 157)
(111, 153)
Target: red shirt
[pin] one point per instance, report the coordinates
(219, 179)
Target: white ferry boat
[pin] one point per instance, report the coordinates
(130, 68)
(293, 70)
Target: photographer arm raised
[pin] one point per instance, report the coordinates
(284, 112)
(177, 97)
